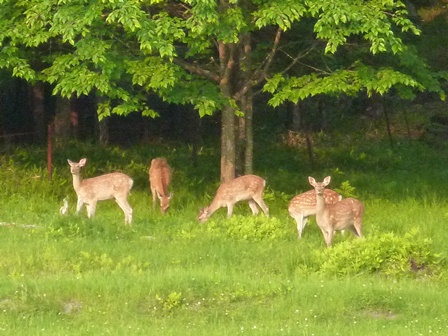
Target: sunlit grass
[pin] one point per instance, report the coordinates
(170, 275)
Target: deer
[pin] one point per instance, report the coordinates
(304, 205)
(244, 188)
(346, 214)
(159, 180)
(104, 187)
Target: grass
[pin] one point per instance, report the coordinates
(170, 275)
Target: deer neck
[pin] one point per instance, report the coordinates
(76, 181)
(215, 205)
(320, 204)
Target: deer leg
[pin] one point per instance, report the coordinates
(229, 210)
(260, 202)
(124, 205)
(253, 207)
(79, 205)
(154, 195)
(357, 228)
(91, 208)
(301, 222)
(329, 237)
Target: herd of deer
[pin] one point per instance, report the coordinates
(332, 212)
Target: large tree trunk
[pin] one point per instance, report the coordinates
(228, 136)
(247, 104)
(227, 144)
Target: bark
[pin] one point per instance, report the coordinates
(65, 120)
(299, 125)
(38, 110)
(227, 144)
(228, 138)
(247, 104)
(103, 131)
(102, 126)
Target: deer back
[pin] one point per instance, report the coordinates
(239, 189)
(101, 187)
(160, 176)
(305, 203)
(107, 186)
(242, 188)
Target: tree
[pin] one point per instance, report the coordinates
(208, 53)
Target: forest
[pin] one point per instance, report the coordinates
(121, 71)
(350, 94)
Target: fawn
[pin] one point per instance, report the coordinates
(344, 215)
(99, 188)
(304, 205)
(244, 188)
(159, 180)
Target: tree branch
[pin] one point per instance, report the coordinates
(197, 70)
(260, 74)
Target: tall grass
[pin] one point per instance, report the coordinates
(170, 275)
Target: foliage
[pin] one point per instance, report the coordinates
(253, 228)
(123, 50)
(169, 303)
(346, 190)
(388, 254)
(169, 274)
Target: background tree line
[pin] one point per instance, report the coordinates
(79, 64)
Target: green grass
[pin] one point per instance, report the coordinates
(170, 275)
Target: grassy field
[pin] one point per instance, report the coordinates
(170, 275)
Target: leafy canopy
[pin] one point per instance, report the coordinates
(123, 50)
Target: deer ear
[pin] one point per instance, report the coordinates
(312, 181)
(170, 196)
(82, 162)
(327, 180)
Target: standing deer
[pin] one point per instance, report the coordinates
(159, 180)
(304, 205)
(344, 215)
(99, 188)
(244, 188)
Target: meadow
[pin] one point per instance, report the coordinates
(171, 275)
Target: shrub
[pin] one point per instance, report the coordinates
(387, 254)
(253, 228)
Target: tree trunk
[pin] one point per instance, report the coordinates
(103, 131)
(247, 103)
(240, 145)
(300, 125)
(228, 136)
(65, 120)
(227, 144)
(38, 110)
(101, 126)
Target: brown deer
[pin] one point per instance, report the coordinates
(344, 215)
(244, 188)
(304, 205)
(99, 188)
(159, 180)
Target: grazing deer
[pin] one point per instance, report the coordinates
(103, 187)
(344, 215)
(159, 180)
(244, 188)
(304, 205)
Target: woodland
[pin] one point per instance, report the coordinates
(286, 90)
(126, 72)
